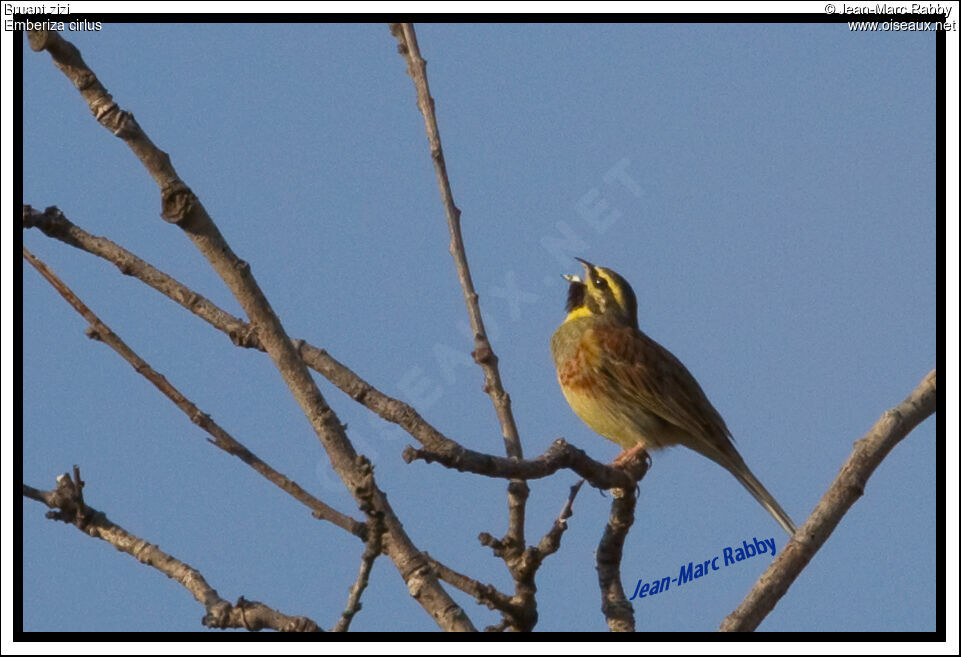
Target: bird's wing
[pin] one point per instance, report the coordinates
(651, 376)
(649, 373)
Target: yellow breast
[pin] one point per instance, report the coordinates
(590, 393)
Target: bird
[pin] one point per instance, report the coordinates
(631, 390)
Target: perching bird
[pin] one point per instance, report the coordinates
(633, 391)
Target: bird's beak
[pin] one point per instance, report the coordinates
(574, 278)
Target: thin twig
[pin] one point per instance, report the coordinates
(100, 331)
(551, 541)
(517, 491)
(69, 507)
(522, 613)
(846, 489)
(483, 353)
(183, 208)
(372, 550)
(485, 594)
(534, 556)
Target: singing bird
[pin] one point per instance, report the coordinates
(631, 390)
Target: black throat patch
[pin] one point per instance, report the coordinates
(575, 295)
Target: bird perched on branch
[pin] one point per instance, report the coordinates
(633, 391)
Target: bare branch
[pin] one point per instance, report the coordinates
(255, 616)
(559, 455)
(517, 491)
(551, 542)
(181, 206)
(483, 353)
(485, 594)
(55, 224)
(100, 331)
(67, 502)
(372, 550)
(522, 616)
(614, 604)
(846, 489)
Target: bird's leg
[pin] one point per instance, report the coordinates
(629, 455)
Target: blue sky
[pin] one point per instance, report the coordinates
(770, 195)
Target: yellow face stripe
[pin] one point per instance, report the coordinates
(613, 285)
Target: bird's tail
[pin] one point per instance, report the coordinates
(757, 489)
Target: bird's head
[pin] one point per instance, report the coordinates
(601, 293)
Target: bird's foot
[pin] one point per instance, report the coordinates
(635, 463)
(628, 456)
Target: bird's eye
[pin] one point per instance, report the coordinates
(600, 283)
